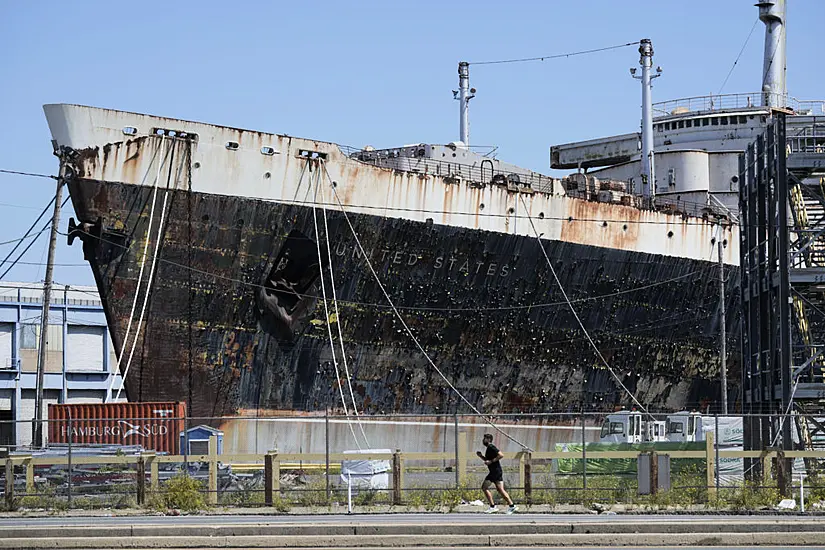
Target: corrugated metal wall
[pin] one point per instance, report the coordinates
(26, 412)
(6, 331)
(86, 396)
(154, 426)
(84, 347)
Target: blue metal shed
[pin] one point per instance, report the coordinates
(198, 437)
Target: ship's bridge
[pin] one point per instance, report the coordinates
(697, 142)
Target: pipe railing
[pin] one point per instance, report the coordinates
(721, 102)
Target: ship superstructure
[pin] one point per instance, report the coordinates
(698, 140)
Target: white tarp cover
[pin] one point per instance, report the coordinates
(366, 474)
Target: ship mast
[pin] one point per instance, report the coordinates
(465, 94)
(772, 14)
(646, 61)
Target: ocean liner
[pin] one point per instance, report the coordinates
(232, 275)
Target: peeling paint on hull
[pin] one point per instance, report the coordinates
(215, 340)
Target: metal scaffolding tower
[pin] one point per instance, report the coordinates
(782, 261)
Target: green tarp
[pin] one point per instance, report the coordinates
(622, 465)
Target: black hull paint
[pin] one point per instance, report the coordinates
(227, 334)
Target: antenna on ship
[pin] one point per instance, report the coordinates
(464, 94)
(772, 14)
(646, 61)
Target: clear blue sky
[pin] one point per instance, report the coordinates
(359, 73)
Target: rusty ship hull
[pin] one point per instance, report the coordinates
(227, 227)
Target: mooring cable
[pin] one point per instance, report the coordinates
(409, 331)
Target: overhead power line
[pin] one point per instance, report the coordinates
(31, 174)
(36, 221)
(554, 56)
(3, 243)
(28, 234)
(730, 72)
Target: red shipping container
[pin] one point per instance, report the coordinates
(154, 426)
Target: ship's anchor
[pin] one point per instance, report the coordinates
(97, 240)
(83, 230)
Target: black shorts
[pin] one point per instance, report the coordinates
(495, 476)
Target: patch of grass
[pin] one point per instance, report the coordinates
(181, 492)
(371, 497)
(280, 504)
(118, 501)
(45, 498)
(311, 494)
(815, 489)
(749, 496)
(604, 489)
(415, 499)
(452, 497)
(244, 497)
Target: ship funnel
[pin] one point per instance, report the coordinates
(465, 94)
(774, 65)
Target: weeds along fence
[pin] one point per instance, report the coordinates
(415, 461)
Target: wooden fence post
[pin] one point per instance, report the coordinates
(461, 467)
(766, 467)
(654, 473)
(140, 472)
(272, 477)
(9, 484)
(268, 457)
(213, 470)
(396, 477)
(710, 461)
(784, 473)
(29, 475)
(528, 476)
(154, 476)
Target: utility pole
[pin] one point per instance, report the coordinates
(37, 428)
(722, 351)
(646, 62)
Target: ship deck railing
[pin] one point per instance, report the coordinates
(809, 140)
(533, 180)
(482, 173)
(732, 102)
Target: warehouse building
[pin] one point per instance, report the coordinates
(80, 358)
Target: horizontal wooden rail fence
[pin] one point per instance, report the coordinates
(274, 462)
